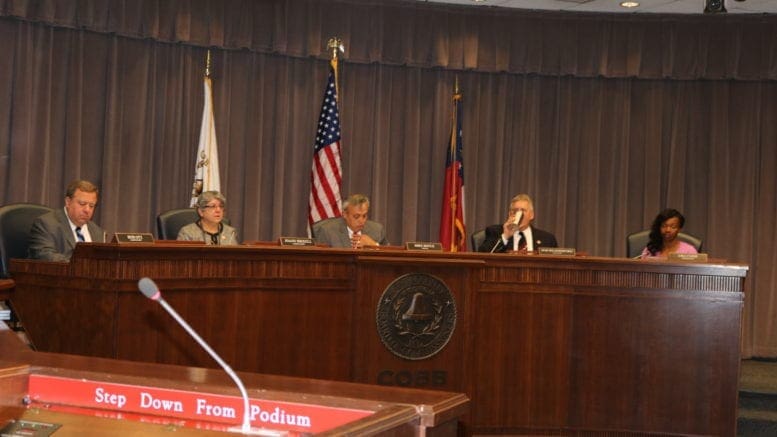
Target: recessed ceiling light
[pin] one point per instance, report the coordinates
(629, 4)
(478, 1)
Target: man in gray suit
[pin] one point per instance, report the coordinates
(352, 229)
(54, 235)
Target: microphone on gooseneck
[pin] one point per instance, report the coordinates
(151, 291)
(498, 242)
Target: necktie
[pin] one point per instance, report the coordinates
(521, 241)
(79, 235)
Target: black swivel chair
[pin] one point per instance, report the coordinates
(15, 224)
(476, 239)
(170, 222)
(637, 241)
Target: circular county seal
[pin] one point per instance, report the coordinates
(416, 316)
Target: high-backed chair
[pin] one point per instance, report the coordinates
(476, 239)
(637, 241)
(170, 222)
(15, 224)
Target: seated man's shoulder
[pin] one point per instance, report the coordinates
(494, 229)
(47, 218)
(548, 237)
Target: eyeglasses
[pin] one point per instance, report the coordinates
(214, 207)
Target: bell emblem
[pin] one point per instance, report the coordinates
(419, 308)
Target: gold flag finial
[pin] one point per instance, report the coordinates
(335, 44)
(207, 64)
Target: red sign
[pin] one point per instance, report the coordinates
(179, 404)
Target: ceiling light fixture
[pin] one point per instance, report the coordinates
(629, 4)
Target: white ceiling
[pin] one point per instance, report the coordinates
(646, 6)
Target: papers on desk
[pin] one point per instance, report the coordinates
(5, 312)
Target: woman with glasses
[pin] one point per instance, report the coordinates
(209, 228)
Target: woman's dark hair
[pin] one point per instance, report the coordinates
(656, 242)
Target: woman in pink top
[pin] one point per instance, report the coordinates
(663, 236)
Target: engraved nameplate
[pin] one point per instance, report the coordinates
(565, 251)
(688, 257)
(296, 241)
(422, 245)
(132, 237)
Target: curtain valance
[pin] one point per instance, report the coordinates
(740, 47)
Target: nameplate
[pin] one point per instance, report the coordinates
(296, 241)
(564, 251)
(422, 245)
(688, 257)
(132, 237)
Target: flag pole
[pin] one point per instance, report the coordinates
(335, 44)
(326, 171)
(453, 234)
(206, 169)
(452, 244)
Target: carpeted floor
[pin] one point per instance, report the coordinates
(757, 414)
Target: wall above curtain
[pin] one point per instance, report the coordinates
(742, 47)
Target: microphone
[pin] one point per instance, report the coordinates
(151, 291)
(498, 242)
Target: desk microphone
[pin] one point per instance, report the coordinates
(151, 291)
(498, 241)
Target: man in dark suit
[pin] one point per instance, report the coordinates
(517, 233)
(352, 229)
(54, 235)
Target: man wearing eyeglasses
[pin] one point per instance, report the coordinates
(516, 233)
(54, 235)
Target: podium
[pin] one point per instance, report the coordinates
(89, 396)
(539, 343)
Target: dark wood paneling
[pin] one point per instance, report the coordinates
(541, 344)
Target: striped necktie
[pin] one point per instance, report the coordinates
(79, 235)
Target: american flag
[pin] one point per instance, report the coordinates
(326, 174)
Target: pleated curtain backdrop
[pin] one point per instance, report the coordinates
(603, 119)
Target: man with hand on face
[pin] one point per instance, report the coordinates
(517, 233)
(54, 235)
(352, 229)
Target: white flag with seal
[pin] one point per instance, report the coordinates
(206, 169)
